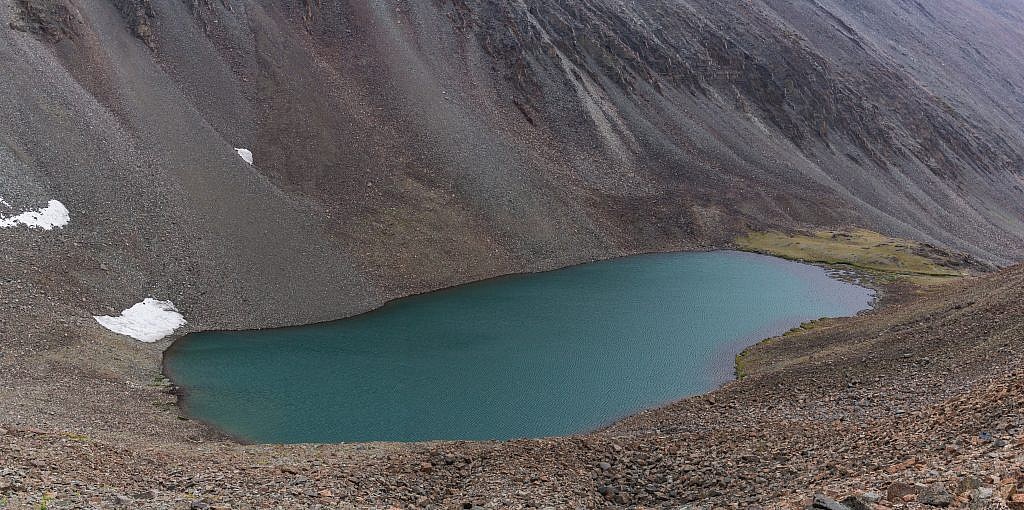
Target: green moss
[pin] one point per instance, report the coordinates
(77, 437)
(741, 366)
(857, 248)
(160, 381)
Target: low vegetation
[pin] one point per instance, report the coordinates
(867, 251)
(884, 261)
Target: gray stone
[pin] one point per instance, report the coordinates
(824, 502)
(935, 495)
(120, 500)
(982, 493)
(872, 497)
(897, 490)
(968, 483)
(980, 498)
(857, 503)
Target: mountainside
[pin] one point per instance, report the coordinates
(403, 146)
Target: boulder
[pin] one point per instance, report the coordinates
(857, 503)
(824, 502)
(897, 490)
(981, 498)
(118, 500)
(968, 483)
(871, 497)
(935, 495)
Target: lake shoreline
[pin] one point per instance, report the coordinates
(716, 365)
(799, 398)
(887, 293)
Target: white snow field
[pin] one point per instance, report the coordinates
(53, 215)
(147, 321)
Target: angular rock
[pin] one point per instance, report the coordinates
(897, 490)
(968, 483)
(120, 500)
(981, 498)
(935, 495)
(871, 497)
(824, 502)
(857, 503)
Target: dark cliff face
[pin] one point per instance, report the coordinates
(401, 146)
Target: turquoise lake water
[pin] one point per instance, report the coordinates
(521, 356)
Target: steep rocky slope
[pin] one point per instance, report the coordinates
(402, 146)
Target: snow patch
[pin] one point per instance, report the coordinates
(4, 202)
(147, 321)
(53, 215)
(245, 154)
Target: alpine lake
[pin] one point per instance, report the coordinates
(528, 355)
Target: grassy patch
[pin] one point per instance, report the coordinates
(77, 437)
(861, 249)
(804, 327)
(884, 261)
(160, 381)
(741, 365)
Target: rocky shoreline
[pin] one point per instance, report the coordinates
(722, 365)
(914, 405)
